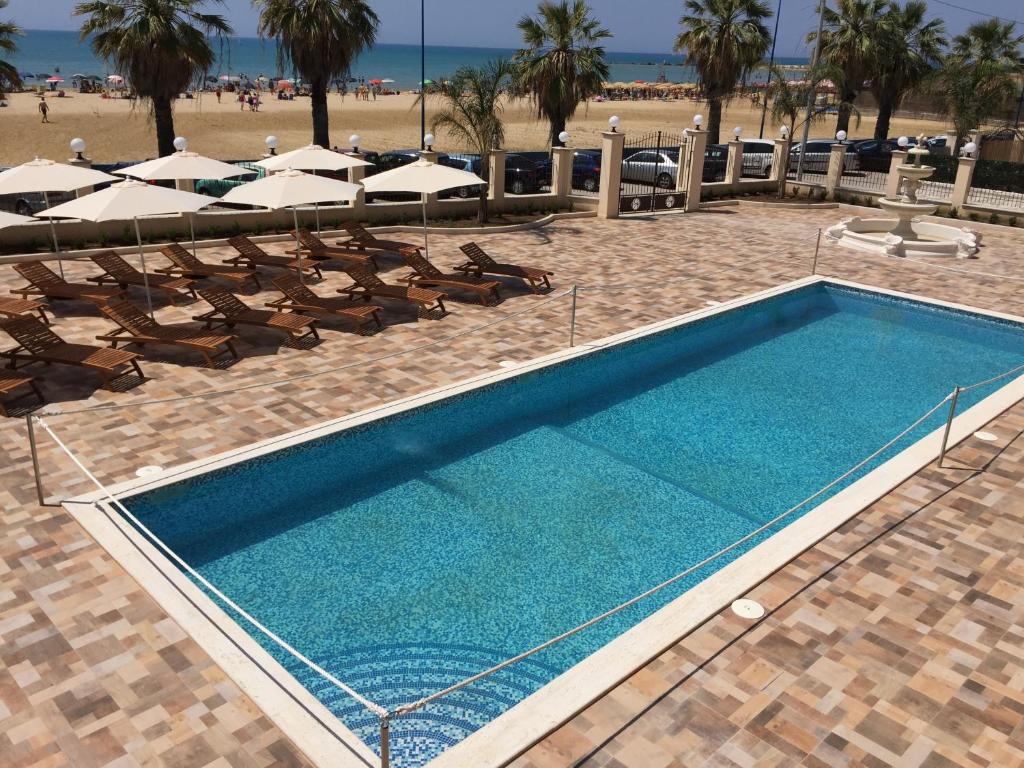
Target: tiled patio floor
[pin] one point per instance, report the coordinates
(896, 641)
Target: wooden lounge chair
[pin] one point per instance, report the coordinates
(315, 248)
(15, 307)
(299, 298)
(361, 239)
(228, 310)
(38, 344)
(480, 264)
(10, 381)
(43, 281)
(425, 273)
(367, 285)
(251, 256)
(136, 327)
(122, 274)
(187, 265)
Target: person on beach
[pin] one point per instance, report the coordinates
(218, 94)
(44, 109)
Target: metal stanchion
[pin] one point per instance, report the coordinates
(385, 742)
(35, 459)
(949, 424)
(817, 245)
(572, 320)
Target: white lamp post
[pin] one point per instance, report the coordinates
(353, 141)
(613, 122)
(841, 136)
(737, 131)
(180, 143)
(564, 137)
(698, 120)
(271, 142)
(78, 147)
(428, 141)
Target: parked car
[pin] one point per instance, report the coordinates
(396, 158)
(29, 203)
(220, 187)
(652, 166)
(875, 155)
(816, 159)
(586, 170)
(522, 176)
(757, 157)
(715, 159)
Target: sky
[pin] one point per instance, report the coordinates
(648, 26)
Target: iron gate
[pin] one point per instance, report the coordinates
(650, 166)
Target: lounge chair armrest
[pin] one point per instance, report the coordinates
(236, 260)
(170, 270)
(28, 292)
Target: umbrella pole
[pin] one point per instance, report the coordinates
(316, 207)
(53, 232)
(298, 243)
(426, 250)
(145, 275)
(192, 230)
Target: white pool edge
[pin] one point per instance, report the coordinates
(327, 742)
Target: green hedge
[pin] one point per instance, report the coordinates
(999, 174)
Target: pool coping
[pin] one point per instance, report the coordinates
(306, 721)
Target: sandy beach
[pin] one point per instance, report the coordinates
(115, 131)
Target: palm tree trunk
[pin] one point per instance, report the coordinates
(321, 132)
(885, 110)
(164, 119)
(485, 174)
(843, 121)
(714, 119)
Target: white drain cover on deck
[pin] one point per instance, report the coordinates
(986, 436)
(748, 609)
(150, 469)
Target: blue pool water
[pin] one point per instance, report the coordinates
(413, 552)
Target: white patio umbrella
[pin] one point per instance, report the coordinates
(126, 200)
(313, 158)
(13, 219)
(46, 176)
(183, 165)
(289, 189)
(424, 177)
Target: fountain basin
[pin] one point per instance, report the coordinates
(928, 238)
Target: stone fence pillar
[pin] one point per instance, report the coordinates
(496, 180)
(780, 164)
(734, 164)
(836, 157)
(611, 174)
(81, 162)
(431, 200)
(696, 146)
(356, 175)
(892, 182)
(561, 171)
(962, 183)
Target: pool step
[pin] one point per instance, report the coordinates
(400, 673)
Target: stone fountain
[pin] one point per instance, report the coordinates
(907, 235)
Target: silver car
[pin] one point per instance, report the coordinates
(652, 166)
(817, 158)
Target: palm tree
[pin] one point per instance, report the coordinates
(980, 74)
(788, 100)
(471, 113)
(909, 52)
(562, 63)
(321, 38)
(9, 77)
(723, 40)
(849, 47)
(159, 46)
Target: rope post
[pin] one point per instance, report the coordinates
(817, 245)
(572, 320)
(385, 742)
(35, 459)
(949, 424)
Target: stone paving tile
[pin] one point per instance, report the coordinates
(895, 641)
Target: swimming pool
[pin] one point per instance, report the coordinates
(408, 553)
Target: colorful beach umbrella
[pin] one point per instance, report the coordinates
(387, 80)
(376, 81)
(55, 79)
